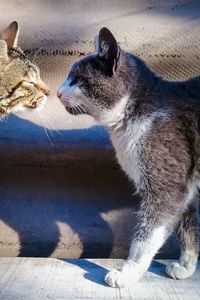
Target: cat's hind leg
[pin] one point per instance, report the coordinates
(187, 232)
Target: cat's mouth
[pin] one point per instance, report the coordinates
(76, 110)
(36, 103)
(73, 106)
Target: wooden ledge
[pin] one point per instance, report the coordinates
(49, 278)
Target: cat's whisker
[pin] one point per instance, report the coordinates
(49, 123)
(77, 108)
(35, 55)
(38, 63)
(81, 107)
(87, 106)
(50, 113)
(45, 129)
(45, 122)
(74, 110)
(38, 60)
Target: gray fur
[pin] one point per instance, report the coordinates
(154, 125)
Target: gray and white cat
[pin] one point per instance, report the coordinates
(154, 126)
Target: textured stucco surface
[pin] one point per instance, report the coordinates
(68, 197)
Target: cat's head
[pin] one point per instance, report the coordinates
(20, 84)
(98, 82)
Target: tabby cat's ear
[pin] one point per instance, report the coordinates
(10, 35)
(108, 48)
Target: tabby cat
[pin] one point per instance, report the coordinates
(20, 84)
(154, 126)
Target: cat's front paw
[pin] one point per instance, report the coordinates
(176, 271)
(116, 279)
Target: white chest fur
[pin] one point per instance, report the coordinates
(127, 144)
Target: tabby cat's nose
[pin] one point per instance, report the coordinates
(47, 92)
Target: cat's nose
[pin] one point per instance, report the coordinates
(59, 94)
(47, 92)
(43, 87)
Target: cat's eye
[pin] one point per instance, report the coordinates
(31, 82)
(73, 82)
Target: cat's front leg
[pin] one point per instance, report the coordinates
(151, 232)
(130, 273)
(141, 254)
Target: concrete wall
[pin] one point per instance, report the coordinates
(65, 196)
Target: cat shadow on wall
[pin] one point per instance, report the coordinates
(46, 205)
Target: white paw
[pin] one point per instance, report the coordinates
(115, 278)
(176, 271)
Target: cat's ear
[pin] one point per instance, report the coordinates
(108, 48)
(10, 35)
